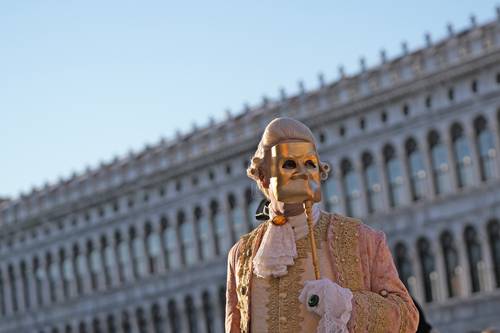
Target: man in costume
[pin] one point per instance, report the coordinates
(305, 270)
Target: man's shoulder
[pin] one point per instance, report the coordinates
(246, 239)
(356, 225)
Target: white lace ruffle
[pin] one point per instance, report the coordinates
(277, 249)
(334, 305)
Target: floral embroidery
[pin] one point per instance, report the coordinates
(403, 312)
(345, 249)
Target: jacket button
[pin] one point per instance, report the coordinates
(384, 293)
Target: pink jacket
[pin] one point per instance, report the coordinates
(361, 261)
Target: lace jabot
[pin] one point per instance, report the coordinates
(277, 249)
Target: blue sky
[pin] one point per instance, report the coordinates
(83, 81)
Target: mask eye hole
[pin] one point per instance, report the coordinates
(310, 164)
(289, 164)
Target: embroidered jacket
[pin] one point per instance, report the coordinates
(361, 261)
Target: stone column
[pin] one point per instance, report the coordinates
(132, 319)
(417, 269)
(55, 274)
(160, 257)
(464, 261)
(471, 138)
(100, 273)
(214, 299)
(358, 170)
(82, 268)
(126, 258)
(488, 273)
(226, 214)
(441, 270)
(495, 133)
(111, 261)
(210, 237)
(426, 157)
(44, 281)
(30, 276)
(7, 291)
(403, 160)
(446, 140)
(380, 164)
(190, 218)
(200, 314)
(183, 318)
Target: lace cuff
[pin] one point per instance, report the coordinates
(334, 305)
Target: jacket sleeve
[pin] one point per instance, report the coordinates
(232, 320)
(387, 306)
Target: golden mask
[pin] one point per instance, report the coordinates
(295, 175)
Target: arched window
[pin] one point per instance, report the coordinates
(222, 302)
(158, 321)
(208, 313)
(126, 328)
(141, 320)
(429, 275)
(373, 186)
(12, 282)
(172, 246)
(110, 323)
(237, 219)
(404, 267)
(95, 262)
(416, 170)
(79, 265)
(24, 284)
(203, 234)
(64, 281)
(124, 261)
(394, 176)
(486, 149)
(440, 164)
(494, 238)
(252, 203)
(39, 277)
(163, 241)
(2, 295)
(474, 256)
(451, 262)
(173, 317)
(332, 194)
(221, 234)
(463, 160)
(96, 325)
(109, 263)
(123, 255)
(54, 276)
(82, 328)
(68, 329)
(351, 189)
(191, 315)
(137, 251)
(153, 248)
(68, 270)
(188, 250)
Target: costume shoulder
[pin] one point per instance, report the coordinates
(247, 240)
(363, 231)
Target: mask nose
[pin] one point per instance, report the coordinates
(301, 172)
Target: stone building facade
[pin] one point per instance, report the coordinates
(139, 244)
